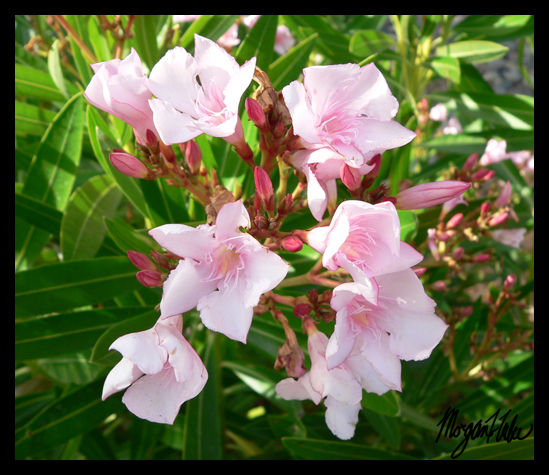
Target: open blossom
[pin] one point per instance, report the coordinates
(343, 114)
(364, 239)
(222, 272)
(402, 326)
(119, 87)
(160, 369)
(342, 391)
(200, 94)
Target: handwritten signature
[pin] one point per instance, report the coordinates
(472, 431)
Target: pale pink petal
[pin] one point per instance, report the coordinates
(217, 126)
(185, 241)
(142, 349)
(173, 80)
(365, 374)
(238, 84)
(184, 287)
(341, 418)
(172, 125)
(215, 65)
(264, 270)
(230, 219)
(375, 136)
(156, 398)
(300, 390)
(376, 349)
(224, 311)
(299, 106)
(120, 377)
(342, 341)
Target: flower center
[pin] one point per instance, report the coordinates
(357, 245)
(226, 264)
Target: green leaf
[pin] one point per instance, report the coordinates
(514, 111)
(65, 285)
(82, 228)
(72, 414)
(259, 42)
(31, 119)
(203, 431)
(55, 335)
(386, 404)
(408, 224)
(145, 29)
(496, 26)
(128, 239)
(51, 176)
(514, 450)
(447, 67)
(208, 26)
(31, 82)
(56, 71)
(473, 51)
(312, 449)
(38, 214)
(289, 66)
(366, 43)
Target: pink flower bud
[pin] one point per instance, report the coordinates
(256, 114)
(152, 141)
(419, 271)
(128, 164)
(150, 278)
(141, 261)
(264, 187)
(458, 253)
(350, 176)
(481, 258)
(471, 161)
(504, 196)
(454, 221)
(510, 281)
(430, 194)
(498, 219)
(193, 156)
(439, 286)
(291, 244)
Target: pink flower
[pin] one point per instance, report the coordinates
(510, 237)
(343, 114)
(223, 271)
(402, 326)
(185, 107)
(340, 388)
(129, 165)
(364, 239)
(430, 194)
(119, 88)
(283, 40)
(495, 151)
(160, 369)
(438, 113)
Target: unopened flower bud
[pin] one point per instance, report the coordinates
(454, 221)
(510, 281)
(481, 258)
(285, 205)
(193, 156)
(458, 253)
(302, 310)
(504, 196)
(261, 221)
(150, 278)
(264, 187)
(419, 271)
(256, 114)
(152, 141)
(430, 194)
(439, 286)
(291, 244)
(350, 177)
(470, 163)
(141, 261)
(128, 164)
(498, 219)
(483, 174)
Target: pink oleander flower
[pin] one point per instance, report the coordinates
(343, 114)
(438, 112)
(430, 194)
(402, 326)
(222, 272)
(364, 239)
(119, 88)
(283, 40)
(339, 386)
(495, 151)
(200, 94)
(160, 369)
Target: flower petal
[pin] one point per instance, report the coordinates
(341, 418)
(172, 125)
(229, 220)
(185, 241)
(297, 101)
(120, 377)
(185, 286)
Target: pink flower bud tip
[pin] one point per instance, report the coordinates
(350, 176)
(430, 194)
(141, 261)
(193, 156)
(292, 244)
(150, 278)
(128, 164)
(256, 114)
(264, 187)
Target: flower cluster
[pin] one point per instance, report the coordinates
(335, 125)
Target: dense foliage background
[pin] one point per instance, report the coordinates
(76, 216)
